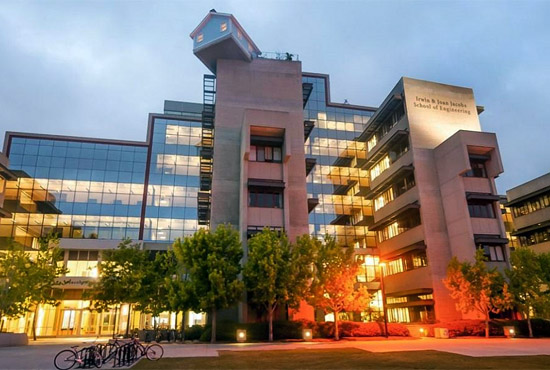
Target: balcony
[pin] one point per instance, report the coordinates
(272, 217)
(408, 197)
(412, 280)
(411, 236)
(400, 164)
(396, 132)
(486, 226)
(477, 185)
(532, 218)
(265, 170)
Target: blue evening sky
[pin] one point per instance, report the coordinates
(97, 68)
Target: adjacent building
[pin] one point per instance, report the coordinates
(409, 183)
(530, 207)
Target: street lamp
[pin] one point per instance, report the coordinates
(382, 268)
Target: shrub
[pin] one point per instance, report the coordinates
(466, 328)
(194, 332)
(541, 327)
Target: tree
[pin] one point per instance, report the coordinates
(276, 273)
(122, 273)
(333, 287)
(527, 283)
(153, 295)
(180, 296)
(47, 268)
(15, 269)
(477, 288)
(213, 263)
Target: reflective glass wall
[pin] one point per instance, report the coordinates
(337, 179)
(79, 189)
(340, 185)
(173, 182)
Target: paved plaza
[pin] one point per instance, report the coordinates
(40, 354)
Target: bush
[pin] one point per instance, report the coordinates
(541, 327)
(469, 328)
(226, 330)
(194, 332)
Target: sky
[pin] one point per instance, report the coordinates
(98, 68)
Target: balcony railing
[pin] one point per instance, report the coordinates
(278, 55)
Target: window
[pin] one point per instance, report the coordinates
(265, 198)
(261, 153)
(481, 210)
(538, 236)
(532, 205)
(493, 253)
(399, 227)
(408, 261)
(478, 168)
(223, 27)
(82, 263)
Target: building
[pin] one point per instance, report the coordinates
(410, 183)
(530, 208)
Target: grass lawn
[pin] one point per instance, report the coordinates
(345, 359)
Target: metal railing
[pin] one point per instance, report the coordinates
(278, 55)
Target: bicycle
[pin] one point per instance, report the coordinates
(153, 352)
(109, 350)
(87, 356)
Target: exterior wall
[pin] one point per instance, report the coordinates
(268, 94)
(529, 204)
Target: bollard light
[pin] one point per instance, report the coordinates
(422, 332)
(241, 335)
(307, 334)
(509, 331)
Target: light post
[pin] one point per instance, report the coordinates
(384, 308)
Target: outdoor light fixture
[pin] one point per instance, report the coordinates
(509, 331)
(241, 336)
(422, 332)
(307, 334)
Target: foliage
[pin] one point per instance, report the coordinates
(122, 273)
(16, 267)
(194, 333)
(179, 295)
(212, 261)
(277, 273)
(477, 288)
(527, 284)
(27, 279)
(334, 280)
(157, 271)
(359, 329)
(47, 267)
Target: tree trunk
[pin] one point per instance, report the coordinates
(128, 321)
(1, 323)
(529, 324)
(183, 326)
(270, 313)
(213, 338)
(34, 323)
(487, 325)
(336, 333)
(114, 324)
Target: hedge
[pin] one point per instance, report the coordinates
(226, 330)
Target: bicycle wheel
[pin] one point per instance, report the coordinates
(154, 352)
(65, 359)
(97, 359)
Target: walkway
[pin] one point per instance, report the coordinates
(40, 354)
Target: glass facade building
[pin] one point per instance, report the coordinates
(339, 183)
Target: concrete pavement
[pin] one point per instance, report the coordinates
(40, 354)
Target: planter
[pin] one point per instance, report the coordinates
(13, 339)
